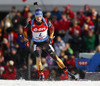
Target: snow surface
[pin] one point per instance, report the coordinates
(48, 83)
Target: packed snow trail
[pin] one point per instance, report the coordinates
(48, 83)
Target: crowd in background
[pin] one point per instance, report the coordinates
(75, 32)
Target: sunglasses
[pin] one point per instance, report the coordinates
(38, 15)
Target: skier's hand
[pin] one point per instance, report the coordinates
(27, 43)
(50, 41)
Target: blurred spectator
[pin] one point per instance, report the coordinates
(66, 61)
(69, 62)
(1, 30)
(81, 17)
(44, 63)
(2, 24)
(1, 35)
(21, 56)
(63, 77)
(72, 61)
(85, 30)
(19, 61)
(11, 14)
(29, 15)
(75, 28)
(76, 40)
(34, 74)
(67, 49)
(94, 18)
(90, 41)
(20, 38)
(2, 61)
(59, 45)
(5, 45)
(1, 53)
(10, 71)
(46, 72)
(69, 12)
(2, 72)
(7, 24)
(87, 11)
(56, 12)
(28, 18)
(98, 49)
(34, 71)
(75, 72)
(48, 15)
(4, 48)
(17, 20)
(55, 24)
(63, 24)
(11, 36)
(25, 11)
(89, 23)
(51, 63)
(53, 74)
(62, 54)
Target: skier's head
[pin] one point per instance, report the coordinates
(38, 14)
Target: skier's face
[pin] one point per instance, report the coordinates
(38, 18)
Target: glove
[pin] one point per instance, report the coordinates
(27, 43)
(50, 41)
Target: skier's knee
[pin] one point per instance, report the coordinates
(37, 53)
(53, 55)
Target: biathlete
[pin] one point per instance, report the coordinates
(39, 27)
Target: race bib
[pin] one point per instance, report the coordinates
(39, 34)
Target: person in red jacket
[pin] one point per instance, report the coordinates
(1, 53)
(46, 72)
(81, 17)
(10, 71)
(69, 12)
(72, 61)
(75, 29)
(63, 24)
(25, 11)
(55, 24)
(63, 77)
(11, 36)
(90, 23)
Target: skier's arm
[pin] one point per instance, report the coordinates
(51, 28)
(51, 31)
(26, 28)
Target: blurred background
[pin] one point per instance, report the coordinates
(77, 39)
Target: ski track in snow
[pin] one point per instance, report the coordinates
(48, 83)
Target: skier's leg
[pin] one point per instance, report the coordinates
(51, 52)
(38, 63)
(40, 68)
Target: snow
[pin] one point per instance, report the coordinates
(48, 83)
